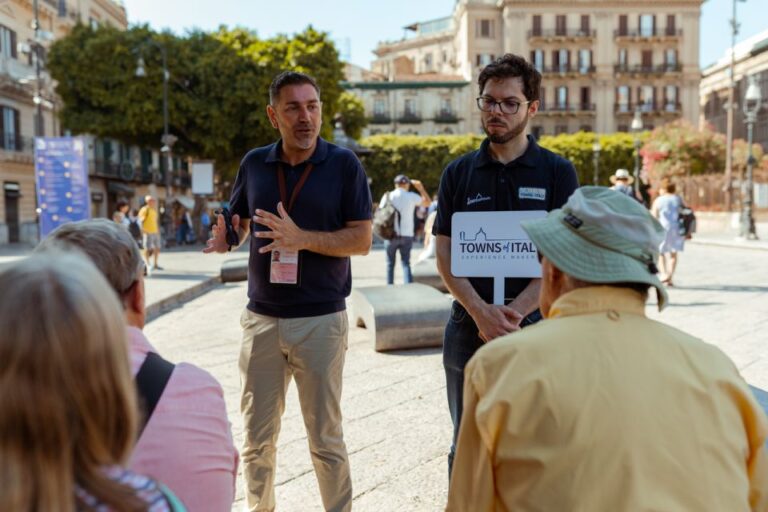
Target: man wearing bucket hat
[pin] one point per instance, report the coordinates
(598, 407)
(622, 182)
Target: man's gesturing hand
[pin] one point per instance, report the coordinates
(494, 321)
(218, 240)
(285, 234)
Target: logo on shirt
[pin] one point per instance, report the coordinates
(477, 199)
(540, 194)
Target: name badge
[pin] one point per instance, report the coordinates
(284, 267)
(532, 193)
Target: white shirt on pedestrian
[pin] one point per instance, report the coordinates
(404, 202)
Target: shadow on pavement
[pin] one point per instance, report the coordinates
(724, 288)
(694, 304)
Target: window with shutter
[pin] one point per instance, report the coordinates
(560, 25)
(536, 29)
(647, 61)
(623, 25)
(647, 25)
(585, 24)
(671, 29)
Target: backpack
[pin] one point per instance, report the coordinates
(384, 220)
(134, 229)
(686, 221)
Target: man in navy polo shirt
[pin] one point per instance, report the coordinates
(510, 172)
(310, 203)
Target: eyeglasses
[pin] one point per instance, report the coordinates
(486, 104)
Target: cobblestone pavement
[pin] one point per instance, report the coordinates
(396, 422)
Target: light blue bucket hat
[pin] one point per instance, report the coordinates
(601, 236)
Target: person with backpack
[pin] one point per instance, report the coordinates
(134, 227)
(184, 438)
(666, 207)
(404, 202)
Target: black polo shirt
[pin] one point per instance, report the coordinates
(336, 192)
(537, 180)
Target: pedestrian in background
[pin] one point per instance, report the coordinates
(308, 200)
(622, 182)
(405, 203)
(184, 439)
(68, 409)
(150, 229)
(121, 213)
(666, 207)
(205, 225)
(509, 172)
(599, 408)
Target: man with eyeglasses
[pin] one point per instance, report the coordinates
(509, 172)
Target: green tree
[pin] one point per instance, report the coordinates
(218, 88)
(352, 113)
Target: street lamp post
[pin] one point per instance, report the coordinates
(596, 161)
(637, 127)
(752, 103)
(167, 140)
(728, 189)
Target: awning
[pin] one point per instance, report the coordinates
(186, 202)
(118, 188)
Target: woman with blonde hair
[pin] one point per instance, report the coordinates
(68, 410)
(666, 207)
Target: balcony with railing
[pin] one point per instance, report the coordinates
(380, 119)
(14, 143)
(446, 117)
(566, 69)
(568, 108)
(648, 107)
(648, 33)
(409, 117)
(555, 34)
(640, 69)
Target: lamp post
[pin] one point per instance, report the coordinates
(596, 161)
(729, 111)
(752, 103)
(637, 127)
(167, 140)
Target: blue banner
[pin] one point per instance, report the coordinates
(61, 174)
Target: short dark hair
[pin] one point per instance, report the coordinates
(512, 66)
(287, 78)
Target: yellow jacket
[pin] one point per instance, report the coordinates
(601, 409)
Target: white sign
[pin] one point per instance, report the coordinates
(492, 244)
(202, 178)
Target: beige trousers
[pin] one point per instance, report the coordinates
(312, 351)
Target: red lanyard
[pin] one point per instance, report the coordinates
(281, 183)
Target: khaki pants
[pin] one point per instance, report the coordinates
(312, 350)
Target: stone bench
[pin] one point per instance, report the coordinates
(401, 316)
(234, 270)
(425, 272)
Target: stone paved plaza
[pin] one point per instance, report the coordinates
(396, 422)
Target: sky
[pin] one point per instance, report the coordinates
(358, 25)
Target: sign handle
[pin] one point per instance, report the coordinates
(498, 290)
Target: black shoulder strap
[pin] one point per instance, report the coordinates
(153, 376)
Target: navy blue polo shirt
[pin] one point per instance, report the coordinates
(537, 180)
(336, 192)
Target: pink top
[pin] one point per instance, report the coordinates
(187, 444)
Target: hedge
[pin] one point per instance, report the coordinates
(425, 157)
